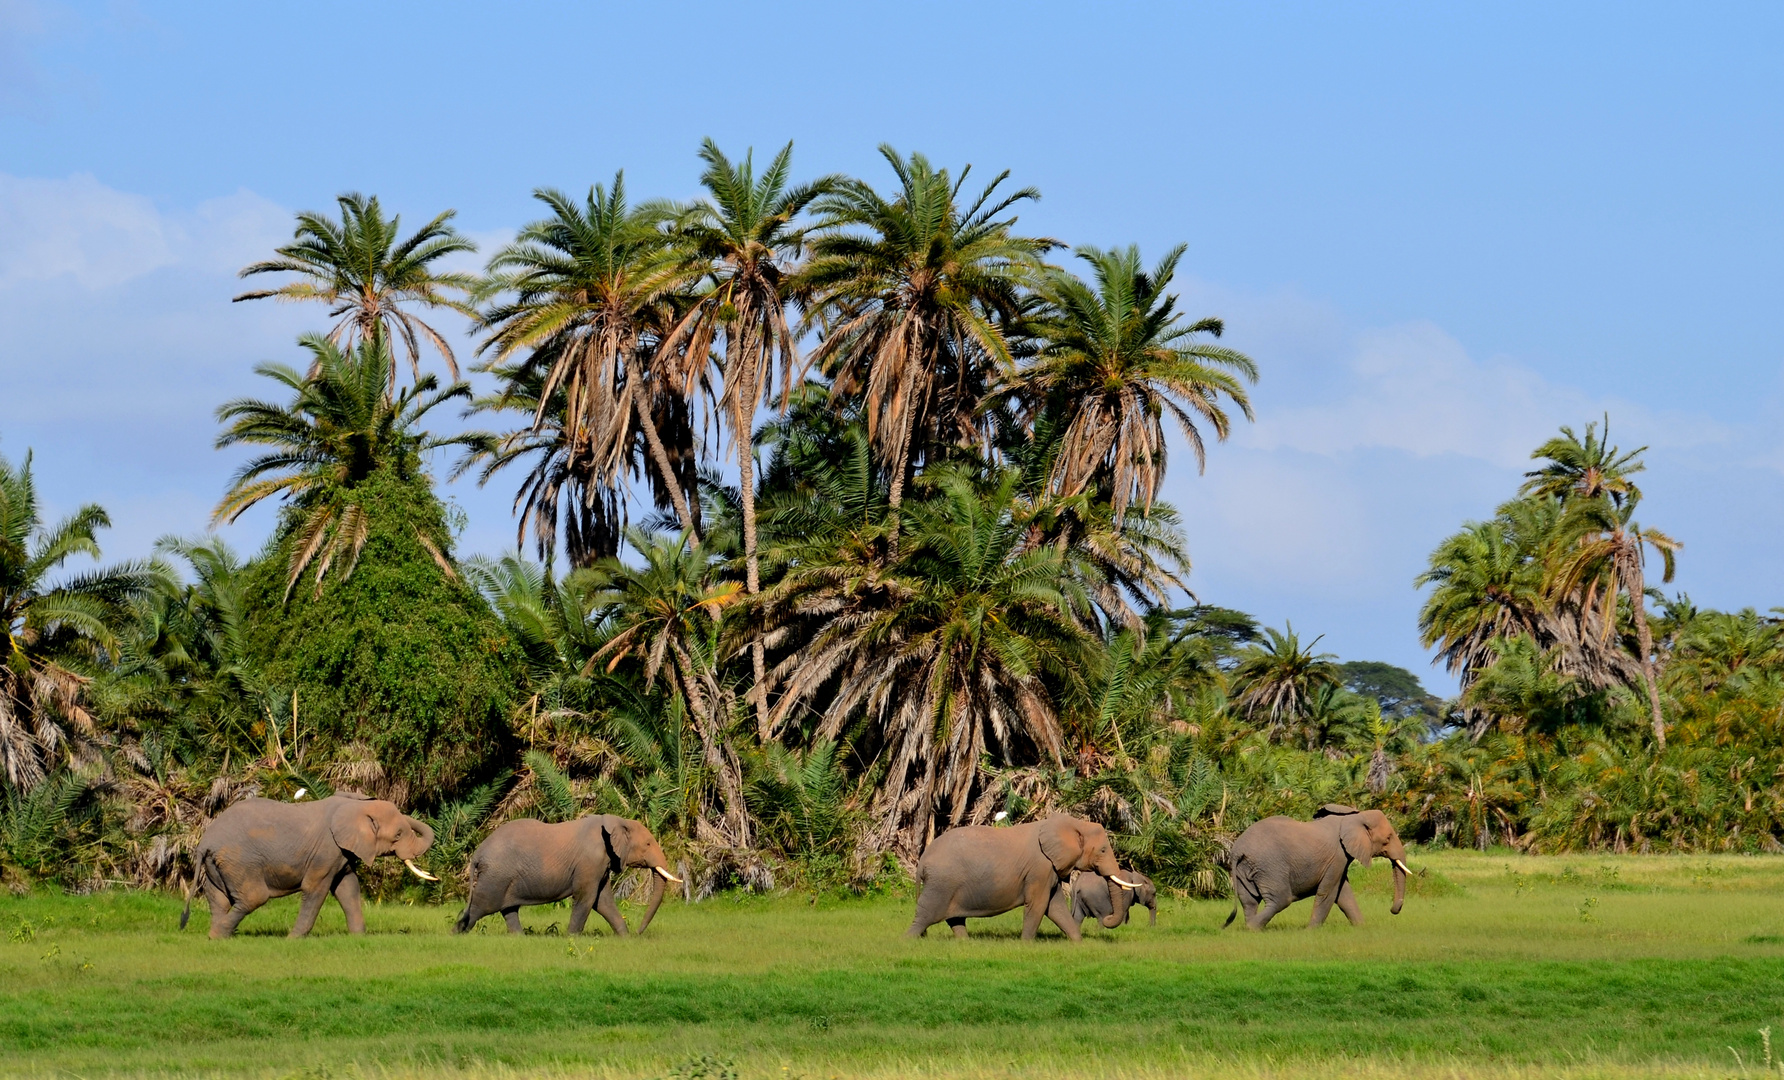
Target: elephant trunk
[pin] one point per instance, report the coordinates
(1399, 885)
(1153, 908)
(659, 884)
(1119, 899)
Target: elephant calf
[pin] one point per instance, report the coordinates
(259, 849)
(977, 871)
(1108, 901)
(526, 862)
(1280, 860)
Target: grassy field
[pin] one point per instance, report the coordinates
(1501, 965)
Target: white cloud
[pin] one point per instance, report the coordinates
(101, 237)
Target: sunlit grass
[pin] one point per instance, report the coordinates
(1500, 965)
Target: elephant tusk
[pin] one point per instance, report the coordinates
(1123, 884)
(667, 876)
(418, 871)
(1403, 867)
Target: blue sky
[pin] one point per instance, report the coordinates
(1442, 231)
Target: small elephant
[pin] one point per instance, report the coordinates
(1280, 860)
(977, 871)
(1098, 897)
(259, 849)
(527, 862)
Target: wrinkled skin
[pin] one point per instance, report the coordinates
(528, 862)
(1280, 860)
(977, 871)
(1097, 897)
(260, 849)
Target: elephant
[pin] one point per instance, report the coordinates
(1095, 896)
(535, 862)
(977, 871)
(1280, 860)
(259, 849)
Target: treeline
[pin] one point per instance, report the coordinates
(942, 590)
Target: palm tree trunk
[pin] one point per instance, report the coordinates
(742, 429)
(660, 455)
(1645, 640)
(718, 754)
(900, 456)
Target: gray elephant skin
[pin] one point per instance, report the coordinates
(977, 871)
(1097, 897)
(526, 862)
(1280, 860)
(260, 849)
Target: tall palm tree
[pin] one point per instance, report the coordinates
(369, 274)
(50, 627)
(1608, 552)
(1280, 678)
(589, 291)
(665, 615)
(945, 655)
(339, 429)
(1587, 468)
(1117, 357)
(910, 292)
(745, 237)
(1487, 587)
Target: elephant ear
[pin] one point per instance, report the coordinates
(1333, 809)
(1354, 836)
(1062, 841)
(618, 832)
(355, 829)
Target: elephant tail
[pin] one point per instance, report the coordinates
(202, 865)
(186, 913)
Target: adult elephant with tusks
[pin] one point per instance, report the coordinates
(1280, 860)
(259, 849)
(977, 871)
(526, 862)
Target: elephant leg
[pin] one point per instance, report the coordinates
(512, 915)
(1059, 909)
(958, 923)
(1262, 911)
(1347, 903)
(932, 908)
(580, 906)
(1040, 896)
(1328, 892)
(346, 893)
(224, 926)
(309, 909)
(607, 903)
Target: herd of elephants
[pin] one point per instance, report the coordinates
(1061, 867)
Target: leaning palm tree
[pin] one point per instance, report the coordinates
(960, 648)
(1280, 678)
(744, 236)
(1606, 558)
(586, 296)
(1487, 588)
(369, 274)
(51, 627)
(339, 429)
(910, 293)
(1117, 357)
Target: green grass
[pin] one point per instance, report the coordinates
(1500, 965)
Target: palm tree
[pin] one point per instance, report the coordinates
(665, 616)
(910, 293)
(1588, 468)
(340, 428)
(945, 655)
(1116, 358)
(368, 274)
(50, 627)
(592, 288)
(745, 238)
(1608, 552)
(1487, 588)
(1281, 678)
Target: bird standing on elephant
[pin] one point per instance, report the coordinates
(1280, 860)
(259, 849)
(526, 862)
(1108, 902)
(977, 871)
